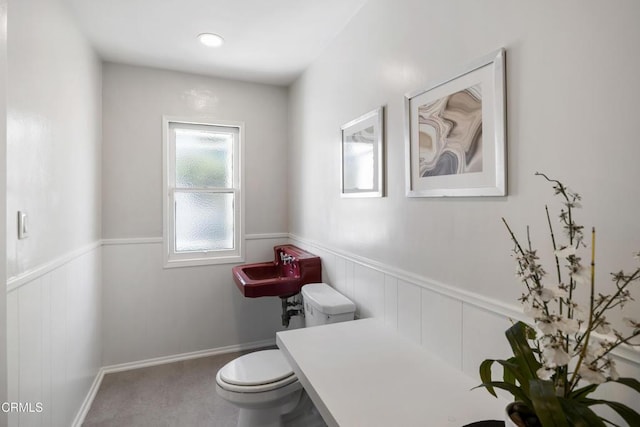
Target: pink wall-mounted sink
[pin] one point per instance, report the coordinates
(283, 277)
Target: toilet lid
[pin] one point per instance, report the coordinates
(260, 367)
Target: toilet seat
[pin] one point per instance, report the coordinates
(256, 372)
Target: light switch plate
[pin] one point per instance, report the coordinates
(23, 230)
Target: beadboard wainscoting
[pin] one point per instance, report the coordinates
(111, 306)
(54, 337)
(151, 312)
(459, 327)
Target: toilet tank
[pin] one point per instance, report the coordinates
(324, 305)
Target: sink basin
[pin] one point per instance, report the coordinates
(262, 271)
(283, 277)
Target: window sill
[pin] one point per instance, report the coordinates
(196, 262)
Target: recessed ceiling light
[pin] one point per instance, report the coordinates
(211, 40)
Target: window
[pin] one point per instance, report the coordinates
(202, 192)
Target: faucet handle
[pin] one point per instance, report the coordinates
(286, 258)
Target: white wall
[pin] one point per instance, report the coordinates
(572, 93)
(149, 311)
(53, 173)
(135, 98)
(53, 134)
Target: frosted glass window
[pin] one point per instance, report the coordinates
(203, 209)
(203, 158)
(204, 221)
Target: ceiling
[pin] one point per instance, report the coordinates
(266, 41)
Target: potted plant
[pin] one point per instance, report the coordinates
(565, 354)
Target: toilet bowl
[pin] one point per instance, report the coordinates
(263, 385)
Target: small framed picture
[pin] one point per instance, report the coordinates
(363, 156)
(455, 133)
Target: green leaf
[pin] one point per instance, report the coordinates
(516, 391)
(546, 404)
(630, 416)
(606, 421)
(526, 360)
(485, 375)
(579, 415)
(510, 372)
(629, 382)
(582, 392)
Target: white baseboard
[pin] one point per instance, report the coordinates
(186, 356)
(88, 400)
(95, 386)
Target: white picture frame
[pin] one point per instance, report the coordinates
(362, 156)
(455, 133)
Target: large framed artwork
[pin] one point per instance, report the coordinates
(363, 155)
(455, 133)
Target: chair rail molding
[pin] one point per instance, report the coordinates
(500, 308)
(30, 275)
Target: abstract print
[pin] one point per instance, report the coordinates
(450, 134)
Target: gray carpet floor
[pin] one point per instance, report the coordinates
(175, 394)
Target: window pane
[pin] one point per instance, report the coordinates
(203, 158)
(204, 221)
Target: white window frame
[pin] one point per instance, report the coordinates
(188, 259)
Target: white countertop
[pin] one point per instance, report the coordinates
(361, 373)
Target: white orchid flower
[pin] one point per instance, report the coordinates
(582, 275)
(533, 311)
(595, 349)
(568, 326)
(546, 294)
(547, 326)
(550, 325)
(549, 292)
(579, 312)
(591, 375)
(545, 373)
(555, 356)
(565, 252)
(560, 292)
(603, 327)
(613, 372)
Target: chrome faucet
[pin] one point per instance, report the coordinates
(286, 258)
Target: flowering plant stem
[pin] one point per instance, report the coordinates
(574, 378)
(566, 354)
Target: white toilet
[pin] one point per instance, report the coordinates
(263, 385)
